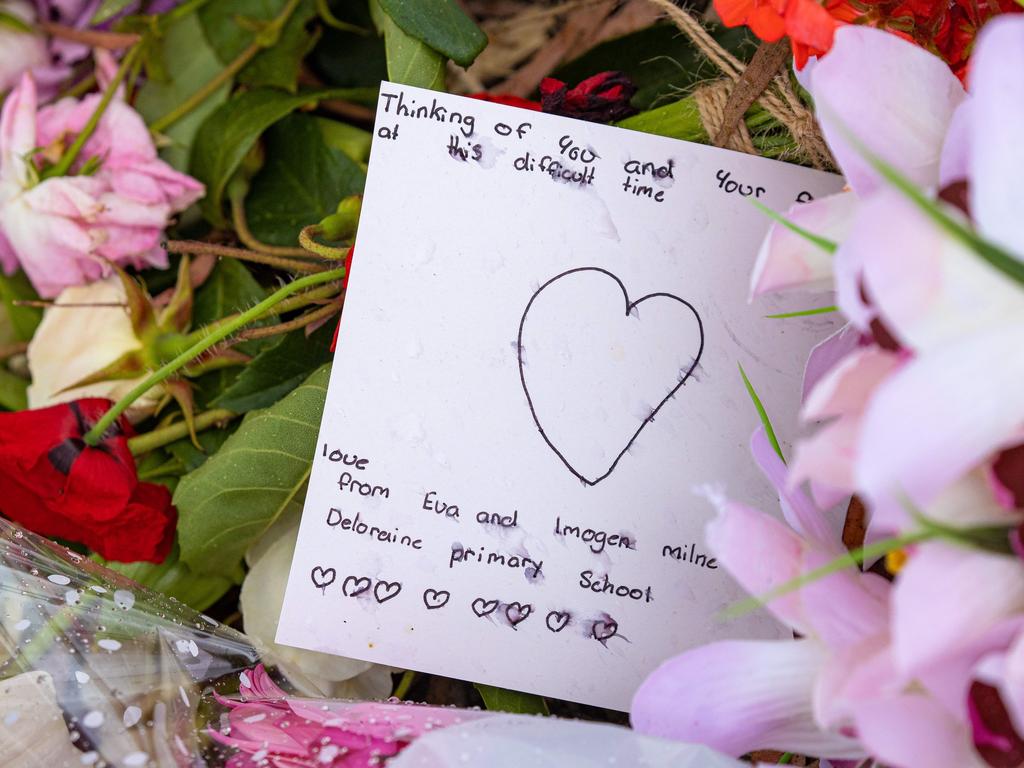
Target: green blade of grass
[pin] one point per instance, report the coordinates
(824, 243)
(805, 313)
(762, 414)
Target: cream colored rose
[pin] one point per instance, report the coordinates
(32, 729)
(312, 673)
(73, 342)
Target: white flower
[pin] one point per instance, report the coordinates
(311, 672)
(32, 729)
(80, 338)
(19, 50)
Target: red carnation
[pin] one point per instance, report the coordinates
(601, 98)
(55, 484)
(508, 100)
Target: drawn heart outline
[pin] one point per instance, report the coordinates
(323, 577)
(353, 586)
(630, 306)
(557, 620)
(386, 590)
(604, 630)
(436, 598)
(517, 613)
(483, 607)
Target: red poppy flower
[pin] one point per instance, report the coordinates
(601, 98)
(55, 484)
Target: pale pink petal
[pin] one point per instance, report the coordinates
(911, 731)
(179, 189)
(948, 597)
(826, 496)
(849, 283)
(970, 501)
(806, 519)
(847, 388)
(18, 132)
(894, 97)
(962, 401)
(826, 354)
(846, 608)
(997, 153)
(761, 553)
(955, 150)
(856, 674)
(788, 260)
(828, 456)
(8, 257)
(737, 696)
(928, 288)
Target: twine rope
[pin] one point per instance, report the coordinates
(779, 99)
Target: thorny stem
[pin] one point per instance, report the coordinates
(226, 74)
(302, 321)
(165, 435)
(68, 159)
(205, 342)
(249, 239)
(212, 249)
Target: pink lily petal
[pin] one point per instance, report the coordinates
(856, 674)
(893, 96)
(787, 260)
(826, 354)
(914, 730)
(928, 288)
(954, 165)
(961, 418)
(846, 608)
(753, 695)
(847, 388)
(978, 591)
(996, 158)
(828, 456)
(760, 553)
(18, 132)
(806, 519)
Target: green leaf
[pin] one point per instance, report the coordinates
(277, 370)
(109, 9)
(23, 320)
(230, 288)
(232, 499)
(232, 27)
(174, 579)
(13, 22)
(13, 391)
(824, 243)
(762, 414)
(410, 62)
(502, 700)
(804, 313)
(301, 181)
(348, 60)
(184, 75)
(228, 134)
(191, 457)
(441, 24)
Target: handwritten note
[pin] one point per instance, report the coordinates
(537, 365)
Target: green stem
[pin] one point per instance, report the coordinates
(804, 313)
(263, 40)
(94, 435)
(404, 684)
(307, 241)
(63, 165)
(165, 435)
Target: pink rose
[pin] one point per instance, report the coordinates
(63, 230)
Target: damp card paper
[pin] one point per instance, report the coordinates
(537, 372)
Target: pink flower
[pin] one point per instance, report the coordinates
(19, 49)
(63, 230)
(266, 727)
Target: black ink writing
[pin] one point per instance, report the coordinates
(597, 540)
(568, 147)
(691, 555)
(436, 598)
(730, 185)
(337, 519)
(605, 586)
(348, 459)
(434, 111)
(464, 152)
(494, 518)
(348, 483)
(323, 577)
(432, 504)
(460, 554)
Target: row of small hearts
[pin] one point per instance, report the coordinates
(515, 612)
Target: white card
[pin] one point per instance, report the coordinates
(537, 365)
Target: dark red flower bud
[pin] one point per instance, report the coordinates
(995, 738)
(508, 100)
(601, 98)
(55, 484)
(1007, 476)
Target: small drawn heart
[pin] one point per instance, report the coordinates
(557, 620)
(323, 577)
(517, 613)
(353, 586)
(435, 598)
(579, 353)
(605, 630)
(483, 607)
(385, 590)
